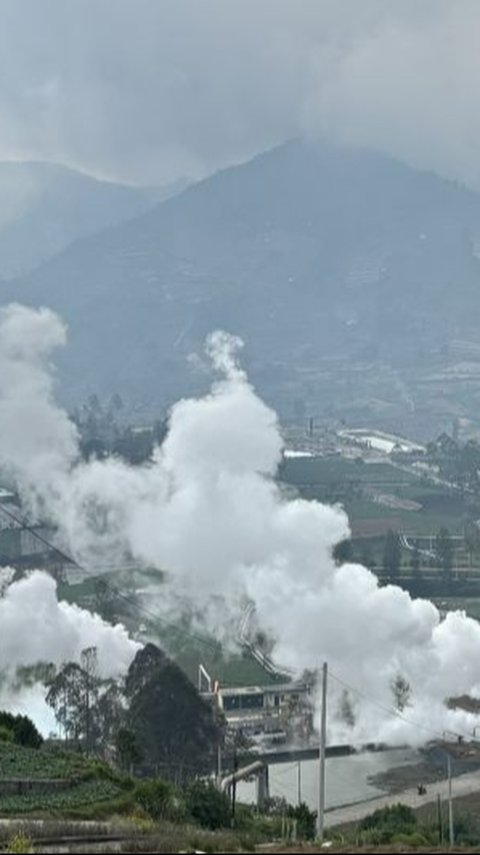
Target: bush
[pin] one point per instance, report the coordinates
(396, 819)
(384, 825)
(306, 820)
(207, 805)
(6, 735)
(467, 827)
(159, 800)
(20, 844)
(414, 840)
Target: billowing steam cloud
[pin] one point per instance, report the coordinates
(207, 510)
(36, 627)
(34, 624)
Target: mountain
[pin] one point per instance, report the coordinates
(354, 280)
(44, 207)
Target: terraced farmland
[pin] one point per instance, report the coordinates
(83, 795)
(22, 763)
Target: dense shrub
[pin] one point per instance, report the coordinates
(6, 734)
(24, 731)
(306, 820)
(467, 827)
(384, 825)
(159, 800)
(207, 805)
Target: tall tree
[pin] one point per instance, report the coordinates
(444, 551)
(172, 724)
(402, 692)
(416, 562)
(392, 554)
(471, 535)
(66, 696)
(88, 709)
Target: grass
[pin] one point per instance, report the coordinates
(329, 470)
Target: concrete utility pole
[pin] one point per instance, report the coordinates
(440, 822)
(450, 805)
(321, 755)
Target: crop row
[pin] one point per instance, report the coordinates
(84, 794)
(18, 762)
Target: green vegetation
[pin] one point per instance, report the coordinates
(330, 471)
(21, 844)
(386, 500)
(82, 795)
(172, 723)
(159, 800)
(360, 486)
(19, 762)
(400, 826)
(22, 730)
(392, 553)
(207, 805)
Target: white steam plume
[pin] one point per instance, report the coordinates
(209, 511)
(36, 627)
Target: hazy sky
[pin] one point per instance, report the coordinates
(147, 90)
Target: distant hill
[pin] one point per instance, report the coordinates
(44, 207)
(354, 279)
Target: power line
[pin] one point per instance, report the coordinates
(124, 597)
(187, 633)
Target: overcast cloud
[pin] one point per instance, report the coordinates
(147, 90)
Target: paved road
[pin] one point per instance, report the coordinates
(463, 785)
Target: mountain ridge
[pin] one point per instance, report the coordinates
(347, 273)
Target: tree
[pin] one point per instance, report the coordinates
(346, 711)
(22, 729)
(416, 562)
(108, 713)
(444, 551)
(73, 694)
(402, 692)
(471, 535)
(343, 551)
(392, 553)
(89, 664)
(127, 748)
(105, 600)
(66, 696)
(172, 724)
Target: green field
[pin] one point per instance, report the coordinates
(81, 796)
(351, 483)
(329, 470)
(19, 762)
(90, 784)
